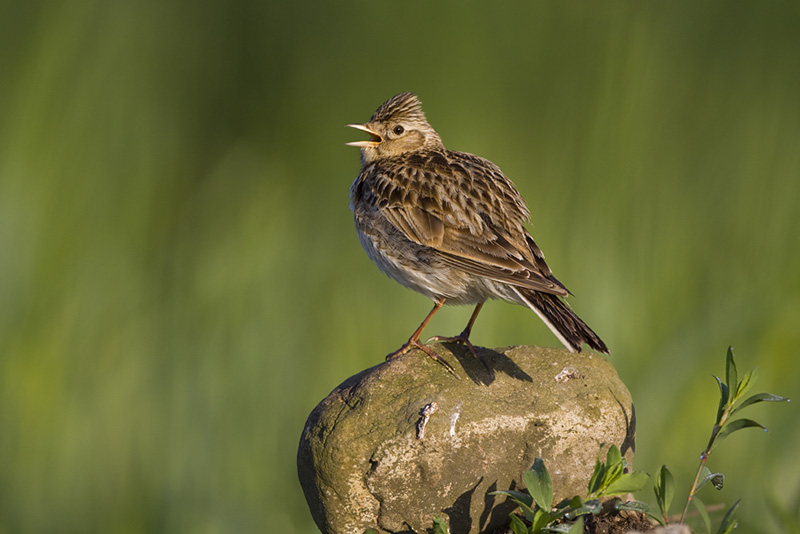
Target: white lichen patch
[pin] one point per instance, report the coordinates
(489, 426)
(454, 419)
(568, 373)
(362, 506)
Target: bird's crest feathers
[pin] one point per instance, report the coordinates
(404, 104)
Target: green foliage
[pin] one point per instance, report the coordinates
(717, 479)
(732, 400)
(518, 526)
(729, 404)
(577, 527)
(540, 486)
(608, 479)
(440, 526)
(703, 513)
(729, 522)
(664, 489)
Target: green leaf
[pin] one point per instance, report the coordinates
(564, 507)
(717, 479)
(665, 489)
(729, 522)
(723, 397)
(731, 375)
(576, 501)
(592, 506)
(615, 465)
(642, 507)
(517, 525)
(627, 483)
(705, 474)
(439, 526)
(613, 473)
(516, 496)
(577, 527)
(529, 512)
(596, 480)
(747, 382)
(608, 473)
(613, 457)
(701, 509)
(759, 397)
(523, 500)
(539, 484)
(738, 424)
(573, 504)
(568, 528)
(540, 520)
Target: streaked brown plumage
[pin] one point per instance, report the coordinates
(449, 225)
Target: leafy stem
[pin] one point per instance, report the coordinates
(732, 391)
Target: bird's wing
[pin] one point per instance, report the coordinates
(470, 214)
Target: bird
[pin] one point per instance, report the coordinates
(451, 226)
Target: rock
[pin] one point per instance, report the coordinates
(369, 457)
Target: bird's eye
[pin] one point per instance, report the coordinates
(398, 130)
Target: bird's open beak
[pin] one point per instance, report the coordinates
(374, 138)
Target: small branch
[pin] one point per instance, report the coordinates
(703, 458)
(705, 454)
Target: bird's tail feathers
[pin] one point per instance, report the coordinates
(561, 320)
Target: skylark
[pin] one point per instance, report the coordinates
(450, 225)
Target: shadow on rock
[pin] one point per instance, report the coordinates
(495, 362)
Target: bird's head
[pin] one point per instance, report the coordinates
(397, 127)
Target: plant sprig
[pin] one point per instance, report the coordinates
(731, 401)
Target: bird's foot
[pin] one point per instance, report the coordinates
(463, 339)
(415, 344)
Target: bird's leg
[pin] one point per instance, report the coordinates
(463, 337)
(414, 342)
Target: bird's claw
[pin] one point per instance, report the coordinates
(463, 339)
(415, 344)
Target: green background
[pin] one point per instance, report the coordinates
(180, 278)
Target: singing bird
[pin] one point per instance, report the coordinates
(450, 225)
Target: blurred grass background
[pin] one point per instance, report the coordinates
(180, 278)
